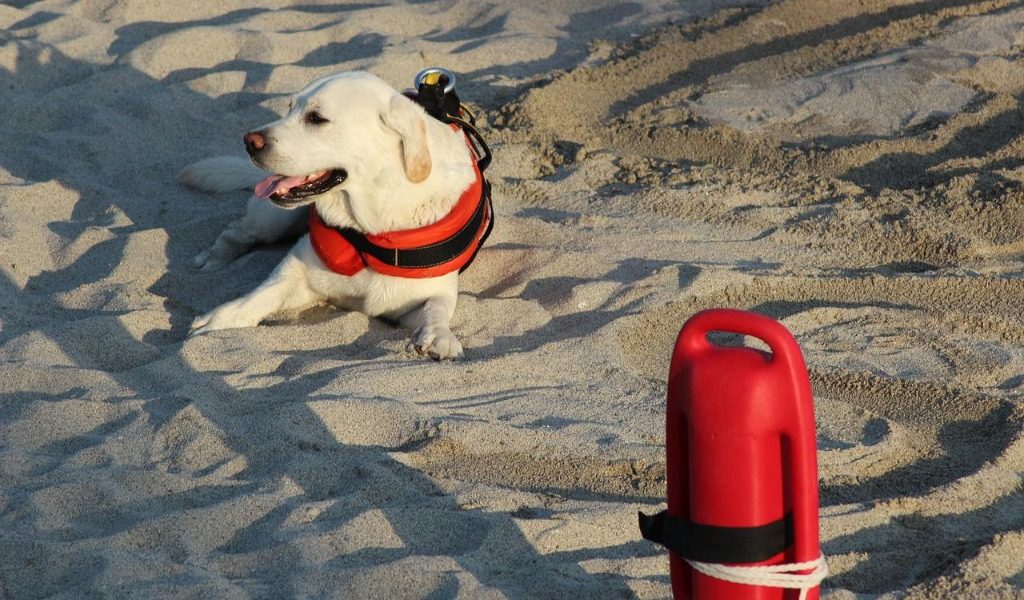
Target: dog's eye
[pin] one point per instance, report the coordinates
(315, 118)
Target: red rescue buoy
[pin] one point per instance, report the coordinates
(741, 461)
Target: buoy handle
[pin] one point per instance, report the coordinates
(693, 337)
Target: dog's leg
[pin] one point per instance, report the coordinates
(286, 289)
(431, 334)
(262, 223)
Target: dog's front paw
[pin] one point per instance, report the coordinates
(437, 342)
(207, 260)
(226, 316)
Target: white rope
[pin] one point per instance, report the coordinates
(780, 576)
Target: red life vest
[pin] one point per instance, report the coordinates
(433, 250)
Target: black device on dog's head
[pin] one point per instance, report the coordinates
(435, 92)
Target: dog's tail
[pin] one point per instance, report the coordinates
(221, 174)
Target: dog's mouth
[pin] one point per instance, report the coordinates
(286, 191)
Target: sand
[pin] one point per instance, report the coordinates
(853, 169)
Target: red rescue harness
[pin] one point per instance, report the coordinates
(433, 250)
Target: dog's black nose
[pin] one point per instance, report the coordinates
(254, 142)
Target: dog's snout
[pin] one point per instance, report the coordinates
(255, 141)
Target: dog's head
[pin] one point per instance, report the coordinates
(339, 128)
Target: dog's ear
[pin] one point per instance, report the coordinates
(408, 120)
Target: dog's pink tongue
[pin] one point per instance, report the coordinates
(265, 188)
(276, 184)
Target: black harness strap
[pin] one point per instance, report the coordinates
(487, 232)
(433, 254)
(714, 544)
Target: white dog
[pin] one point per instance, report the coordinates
(379, 172)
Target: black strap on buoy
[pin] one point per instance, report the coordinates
(715, 544)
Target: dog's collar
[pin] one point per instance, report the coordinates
(433, 250)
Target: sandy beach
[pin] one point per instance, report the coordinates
(852, 169)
